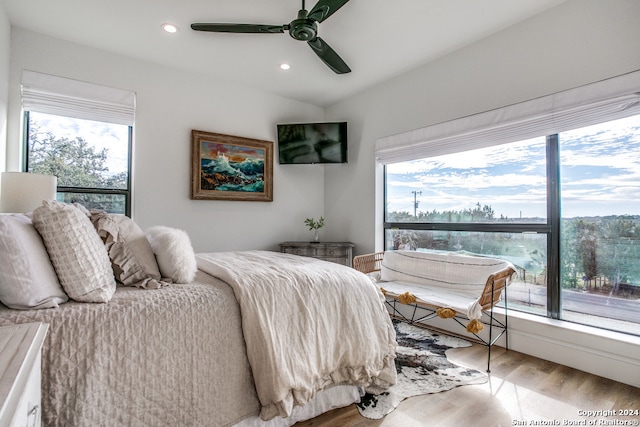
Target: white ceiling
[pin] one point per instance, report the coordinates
(377, 39)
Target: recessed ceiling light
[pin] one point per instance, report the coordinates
(284, 66)
(170, 28)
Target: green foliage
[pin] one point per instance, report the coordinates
(600, 247)
(112, 203)
(476, 214)
(313, 224)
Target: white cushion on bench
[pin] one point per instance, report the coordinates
(441, 279)
(436, 297)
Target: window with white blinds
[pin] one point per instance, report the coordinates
(606, 100)
(550, 185)
(81, 133)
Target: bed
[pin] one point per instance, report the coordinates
(253, 338)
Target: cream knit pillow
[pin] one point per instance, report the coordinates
(76, 251)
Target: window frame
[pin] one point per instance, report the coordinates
(551, 228)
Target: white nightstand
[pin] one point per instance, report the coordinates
(20, 374)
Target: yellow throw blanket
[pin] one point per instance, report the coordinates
(307, 324)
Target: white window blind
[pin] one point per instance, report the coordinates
(44, 93)
(599, 102)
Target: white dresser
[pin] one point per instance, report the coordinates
(20, 374)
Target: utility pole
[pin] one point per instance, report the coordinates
(416, 202)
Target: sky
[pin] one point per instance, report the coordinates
(600, 175)
(98, 134)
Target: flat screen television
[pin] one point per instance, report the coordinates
(309, 143)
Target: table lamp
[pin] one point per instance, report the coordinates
(22, 192)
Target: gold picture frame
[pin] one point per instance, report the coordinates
(226, 167)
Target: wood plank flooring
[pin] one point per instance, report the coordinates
(522, 390)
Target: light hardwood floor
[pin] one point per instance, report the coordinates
(521, 390)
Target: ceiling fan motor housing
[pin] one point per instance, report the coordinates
(303, 28)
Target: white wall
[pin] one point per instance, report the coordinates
(170, 103)
(578, 42)
(5, 44)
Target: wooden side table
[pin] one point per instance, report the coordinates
(338, 252)
(20, 373)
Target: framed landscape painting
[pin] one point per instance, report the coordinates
(225, 167)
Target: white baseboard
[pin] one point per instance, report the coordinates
(604, 353)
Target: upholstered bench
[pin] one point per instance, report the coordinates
(447, 285)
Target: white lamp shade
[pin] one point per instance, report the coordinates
(23, 191)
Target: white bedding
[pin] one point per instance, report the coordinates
(172, 356)
(308, 325)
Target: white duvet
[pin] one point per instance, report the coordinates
(308, 325)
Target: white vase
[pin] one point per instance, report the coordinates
(316, 236)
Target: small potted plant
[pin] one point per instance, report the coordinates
(315, 226)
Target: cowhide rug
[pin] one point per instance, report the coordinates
(422, 368)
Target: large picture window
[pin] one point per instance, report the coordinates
(503, 201)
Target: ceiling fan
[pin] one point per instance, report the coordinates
(303, 28)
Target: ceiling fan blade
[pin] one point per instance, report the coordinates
(324, 9)
(329, 56)
(238, 28)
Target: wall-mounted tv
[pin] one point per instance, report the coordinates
(308, 143)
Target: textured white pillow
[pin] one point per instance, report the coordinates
(132, 258)
(76, 251)
(174, 253)
(27, 278)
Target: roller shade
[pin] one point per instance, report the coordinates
(599, 102)
(49, 94)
